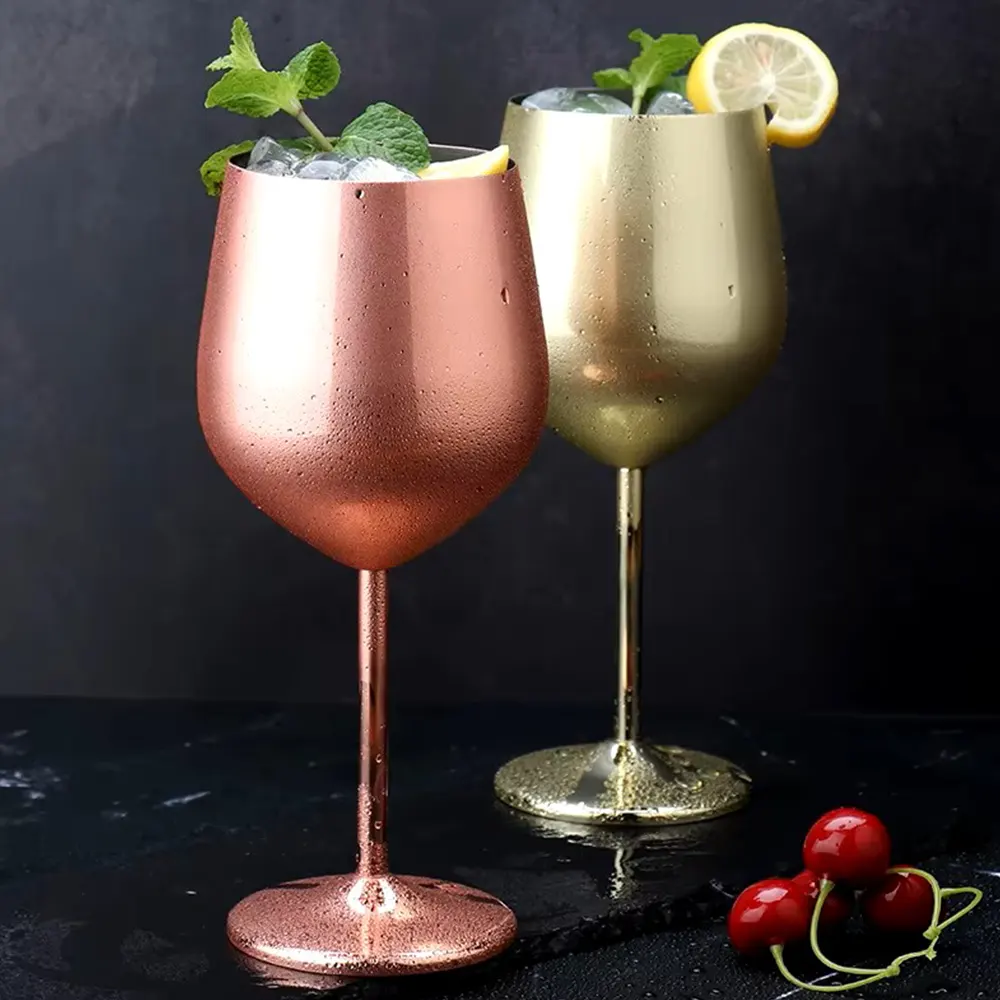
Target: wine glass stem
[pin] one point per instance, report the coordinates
(629, 601)
(373, 789)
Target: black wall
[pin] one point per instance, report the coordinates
(833, 535)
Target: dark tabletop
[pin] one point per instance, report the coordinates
(127, 830)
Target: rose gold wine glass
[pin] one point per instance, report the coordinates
(372, 373)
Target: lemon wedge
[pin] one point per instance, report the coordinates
(752, 64)
(493, 162)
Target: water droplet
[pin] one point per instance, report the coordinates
(659, 399)
(378, 824)
(504, 295)
(359, 194)
(732, 291)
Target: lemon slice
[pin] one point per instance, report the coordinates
(493, 162)
(752, 64)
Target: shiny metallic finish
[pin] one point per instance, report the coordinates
(658, 250)
(275, 977)
(373, 782)
(627, 784)
(629, 602)
(372, 372)
(353, 925)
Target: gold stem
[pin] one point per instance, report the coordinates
(373, 784)
(629, 601)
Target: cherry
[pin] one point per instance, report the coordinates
(772, 912)
(847, 845)
(838, 905)
(901, 903)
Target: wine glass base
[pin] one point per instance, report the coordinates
(352, 925)
(626, 783)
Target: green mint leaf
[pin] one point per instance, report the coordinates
(242, 52)
(659, 59)
(390, 134)
(255, 93)
(676, 84)
(214, 168)
(613, 79)
(640, 36)
(315, 71)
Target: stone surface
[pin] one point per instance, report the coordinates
(127, 830)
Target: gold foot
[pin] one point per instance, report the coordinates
(623, 783)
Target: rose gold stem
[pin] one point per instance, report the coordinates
(373, 790)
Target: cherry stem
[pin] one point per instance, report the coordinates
(825, 888)
(778, 952)
(932, 933)
(933, 928)
(965, 890)
(937, 925)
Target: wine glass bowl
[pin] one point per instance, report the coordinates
(660, 272)
(372, 372)
(363, 373)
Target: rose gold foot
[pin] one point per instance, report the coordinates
(352, 925)
(274, 977)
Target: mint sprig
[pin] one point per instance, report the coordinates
(653, 68)
(214, 168)
(248, 89)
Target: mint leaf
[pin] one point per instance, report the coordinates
(384, 131)
(214, 168)
(613, 79)
(255, 93)
(640, 36)
(315, 71)
(676, 84)
(658, 59)
(242, 52)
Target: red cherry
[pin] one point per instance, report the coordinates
(775, 911)
(847, 845)
(838, 905)
(902, 903)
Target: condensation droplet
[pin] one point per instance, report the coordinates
(659, 399)
(505, 296)
(359, 194)
(732, 291)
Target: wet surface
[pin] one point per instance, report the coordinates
(128, 830)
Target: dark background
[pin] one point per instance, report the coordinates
(835, 534)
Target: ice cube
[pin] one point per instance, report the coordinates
(568, 99)
(326, 167)
(334, 167)
(270, 157)
(371, 169)
(669, 102)
(273, 167)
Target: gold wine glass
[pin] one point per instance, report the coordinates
(658, 250)
(372, 373)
